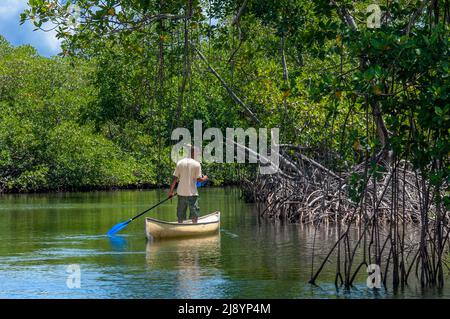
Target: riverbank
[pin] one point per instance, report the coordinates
(86, 189)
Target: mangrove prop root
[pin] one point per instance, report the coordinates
(398, 219)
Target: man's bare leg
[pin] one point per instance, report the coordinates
(194, 220)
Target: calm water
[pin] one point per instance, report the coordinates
(41, 235)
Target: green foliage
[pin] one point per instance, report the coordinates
(42, 144)
(79, 158)
(351, 92)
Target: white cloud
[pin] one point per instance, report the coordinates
(45, 42)
(10, 8)
(53, 43)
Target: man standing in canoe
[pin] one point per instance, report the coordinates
(187, 173)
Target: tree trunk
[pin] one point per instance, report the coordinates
(382, 131)
(186, 61)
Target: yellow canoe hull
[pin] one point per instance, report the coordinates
(206, 225)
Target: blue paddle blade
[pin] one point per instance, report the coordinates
(118, 227)
(200, 184)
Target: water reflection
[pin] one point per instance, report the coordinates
(184, 254)
(194, 263)
(118, 243)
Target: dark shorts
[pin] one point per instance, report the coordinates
(183, 203)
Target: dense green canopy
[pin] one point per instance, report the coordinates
(131, 71)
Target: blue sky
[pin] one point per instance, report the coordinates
(10, 28)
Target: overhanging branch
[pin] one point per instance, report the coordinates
(226, 86)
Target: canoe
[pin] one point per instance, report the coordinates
(206, 225)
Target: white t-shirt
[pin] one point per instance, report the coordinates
(187, 172)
